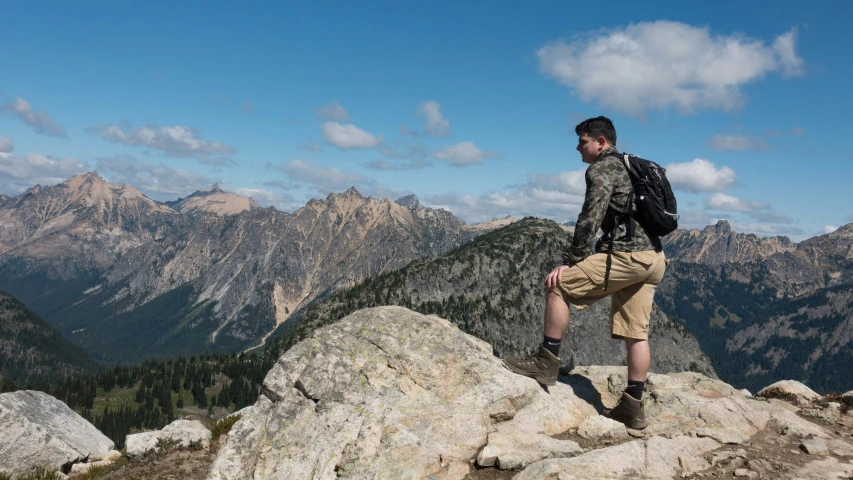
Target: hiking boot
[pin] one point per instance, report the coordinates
(629, 411)
(542, 367)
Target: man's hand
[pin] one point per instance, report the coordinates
(553, 278)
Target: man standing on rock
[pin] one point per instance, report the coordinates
(628, 266)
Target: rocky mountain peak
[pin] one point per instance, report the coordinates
(92, 190)
(351, 193)
(719, 243)
(845, 231)
(409, 201)
(214, 200)
(722, 226)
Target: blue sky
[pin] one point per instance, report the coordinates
(471, 106)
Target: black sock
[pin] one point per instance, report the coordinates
(635, 389)
(552, 345)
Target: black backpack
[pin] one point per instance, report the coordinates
(657, 211)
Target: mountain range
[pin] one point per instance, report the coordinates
(95, 258)
(765, 308)
(128, 278)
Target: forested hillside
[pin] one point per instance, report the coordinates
(33, 353)
(492, 288)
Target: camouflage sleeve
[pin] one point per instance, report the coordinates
(599, 188)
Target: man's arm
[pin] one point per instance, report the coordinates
(599, 188)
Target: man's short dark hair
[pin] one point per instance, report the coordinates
(598, 127)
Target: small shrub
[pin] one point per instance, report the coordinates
(167, 445)
(833, 397)
(98, 471)
(779, 394)
(222, 427)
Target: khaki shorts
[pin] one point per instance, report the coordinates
(634, 276)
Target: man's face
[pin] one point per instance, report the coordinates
(590, 147)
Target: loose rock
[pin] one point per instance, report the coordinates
(184, 432)
(789, 389)
(597, 426)
(814, 446)
(39, 431)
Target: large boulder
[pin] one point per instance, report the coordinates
(39, 431)
(183, 433)
(390, 393)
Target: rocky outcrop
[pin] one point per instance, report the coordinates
(389, 393)
(180, 433)
(39, 431)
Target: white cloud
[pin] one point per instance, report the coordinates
(323, 180)
(721, 201)
(37, 119)
(486, 206)
(178, 140)
(20, 172)
(333, 111)
(312, 147)
(388, 153)
(380, 165)
(265, 198)
(7, 145)
(694, 219)
(732, 143)
(758, 211)
(763, 229)
(568, 182)
(404, 130)
(787, 53)
(436, 125)
(829, 229)
(700, 175)
(463, 154)
(349, 136)
(769, 217)
(663, 64)
(557, 196)
(158, 181)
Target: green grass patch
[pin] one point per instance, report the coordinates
(102, 470)
(37, 474)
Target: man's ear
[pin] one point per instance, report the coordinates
(602, 142)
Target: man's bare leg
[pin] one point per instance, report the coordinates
(639, 358)
(544, 367)
(556, 315)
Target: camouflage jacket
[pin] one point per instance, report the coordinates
(609, 195)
